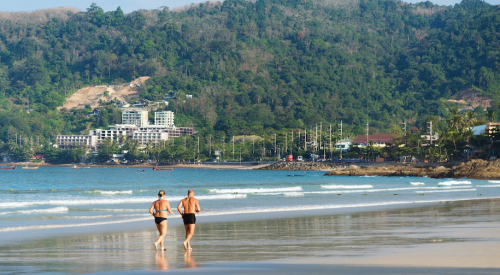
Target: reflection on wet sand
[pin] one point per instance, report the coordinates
(322, 236)
(161, 260)
(189, 260)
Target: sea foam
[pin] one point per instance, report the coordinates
(114, 201)
(417, 183)
(454, 182)
(347, 186)
(255, 190)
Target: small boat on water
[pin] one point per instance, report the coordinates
(75, 167)
(9, 168)
(156, 168)
(31, 167)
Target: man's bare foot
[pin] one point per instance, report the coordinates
(156, 246)
(185, 245)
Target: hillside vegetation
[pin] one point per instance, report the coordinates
(253, 67)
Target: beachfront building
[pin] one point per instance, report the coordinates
(111, 134)
(145, 137)
(73, 141)
(379, 140)
(165, 118)
(343, 144)
(129, 128)
(135, 116)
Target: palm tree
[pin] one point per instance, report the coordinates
(491, 115)
(470, 118)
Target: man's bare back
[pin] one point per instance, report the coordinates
(190, 205)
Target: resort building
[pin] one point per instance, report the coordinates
(343, 144)
(145, 137)
(135, 116)
(165, 118)
(379, 140)
(134, 125)
(72, 141)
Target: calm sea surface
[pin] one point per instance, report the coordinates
(53, 197)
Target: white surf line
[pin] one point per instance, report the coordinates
(246, 211)
(114, 201)
(347, 186)
(446, 191)
(255, 190)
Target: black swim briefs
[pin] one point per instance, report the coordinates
(158, 220)
(189, 218)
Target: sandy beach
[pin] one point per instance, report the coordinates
(447, 238)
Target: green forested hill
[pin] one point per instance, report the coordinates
(253, 67)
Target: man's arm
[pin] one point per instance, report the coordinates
(197, 207)
(179, 208)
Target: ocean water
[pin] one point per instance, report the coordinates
(58, 197)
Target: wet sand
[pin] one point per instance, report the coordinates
(447, 238)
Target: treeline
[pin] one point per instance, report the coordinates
(254, 67)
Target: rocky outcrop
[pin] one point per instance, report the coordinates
(302, 166)
(476, 169)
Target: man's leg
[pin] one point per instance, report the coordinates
(185, 243)
(190, 235)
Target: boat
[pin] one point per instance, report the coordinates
(75, 167)
(9, 168)
(156, 168)
(31, 167)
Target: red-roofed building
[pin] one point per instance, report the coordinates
(39, 157)
(379, 140)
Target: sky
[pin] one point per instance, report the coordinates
(132, 5)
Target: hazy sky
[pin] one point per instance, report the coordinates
(131, 5)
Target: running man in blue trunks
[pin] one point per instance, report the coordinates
(190, 205)
(159, 210)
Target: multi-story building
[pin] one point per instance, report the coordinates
(165, 118)
(72, 141)
(129, 128)
(135, 116)
(144, 137)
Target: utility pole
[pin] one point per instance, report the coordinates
(404, 123)
(263, 148)
(305, 139)
(430, 132)
(367, 132)
(233, 147)
(223, 147)
(286, 142)
(210, 152)
(291, 147)
(198, 147)
(341, 140)
(316, 140)
(330, 142)
(275, 147)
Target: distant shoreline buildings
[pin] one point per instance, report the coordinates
(135, 125)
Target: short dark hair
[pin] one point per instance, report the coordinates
(161, 193)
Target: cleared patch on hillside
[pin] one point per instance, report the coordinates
(92, 94)
(471, 98)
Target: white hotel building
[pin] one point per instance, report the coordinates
(134, 125)
(135, 116)
(165, 118)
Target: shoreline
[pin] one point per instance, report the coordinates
(236, 166)
(442, 238)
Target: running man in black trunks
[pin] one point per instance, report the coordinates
(159, 210)
(190, 205)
